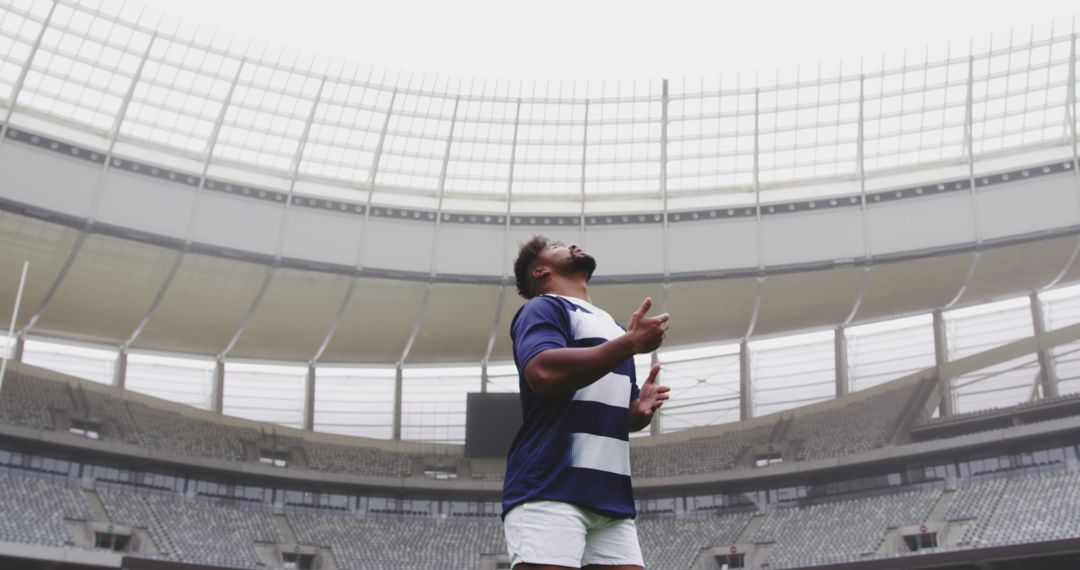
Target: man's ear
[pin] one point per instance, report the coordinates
(540, 271)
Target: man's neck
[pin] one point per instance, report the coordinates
(577, 288)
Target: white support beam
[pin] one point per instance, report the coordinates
(432, 273)
(584, 160)
(759, 287)
(656, 425)
(280, 239)
(1071, 118)
(860, 166)
(16, 89)
(969, 151)
(99, 188)
(178, 260)
(506, 279)
(359, 266)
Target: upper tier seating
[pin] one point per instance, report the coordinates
(854, 428)
(705, 455)
(27, 401)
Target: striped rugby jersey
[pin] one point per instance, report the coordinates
(571, 447)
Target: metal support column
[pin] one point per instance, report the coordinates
(746, 392)
(843, 380)
(192, 217)
(656, 425)
(432, 272)
(359, 266)
(506, 282)
(1071, 118)
(941, 354)
(120, 369)
(309, 398)
(759, 286)
(1048, 379)
(99, 188)
(969, 151)
(217, 389)
(584, 159)
(860, 165)
(396, 436)
(17, 351)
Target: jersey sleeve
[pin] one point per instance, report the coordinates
(541, 324)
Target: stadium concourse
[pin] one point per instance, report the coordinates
(257, 289)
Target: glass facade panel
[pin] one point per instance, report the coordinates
(355, 401)
(704, 387)
(977, 329)
(81, 361)
(1061, 308)
(433, 402)
(265, 392)
(792, 371)
(184, 380)
(884, 351)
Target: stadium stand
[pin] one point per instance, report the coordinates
(865, 422)
(705, 455)
(388, 543)
(157, 429)
(857, 427)
(345, 459)
(1036, 508)
(828, 533)
(26, 401)
(197, 532)
(1012, 508)
(974, 504)
(34, 510)
(674, 543)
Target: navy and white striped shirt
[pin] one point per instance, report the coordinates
(572, 447)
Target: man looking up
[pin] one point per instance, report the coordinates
(567, 499)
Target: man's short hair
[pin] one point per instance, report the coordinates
(527, 255)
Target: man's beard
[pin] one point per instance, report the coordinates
(583, 262)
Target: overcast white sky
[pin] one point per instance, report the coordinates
(615, 39)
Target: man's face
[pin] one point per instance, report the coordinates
(567, 259)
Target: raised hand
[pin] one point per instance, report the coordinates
(647, 333)
(652, 396)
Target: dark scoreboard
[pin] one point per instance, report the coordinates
(491, 422)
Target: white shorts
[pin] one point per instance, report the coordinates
(551, 532)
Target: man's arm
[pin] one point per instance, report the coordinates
(563, 370)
